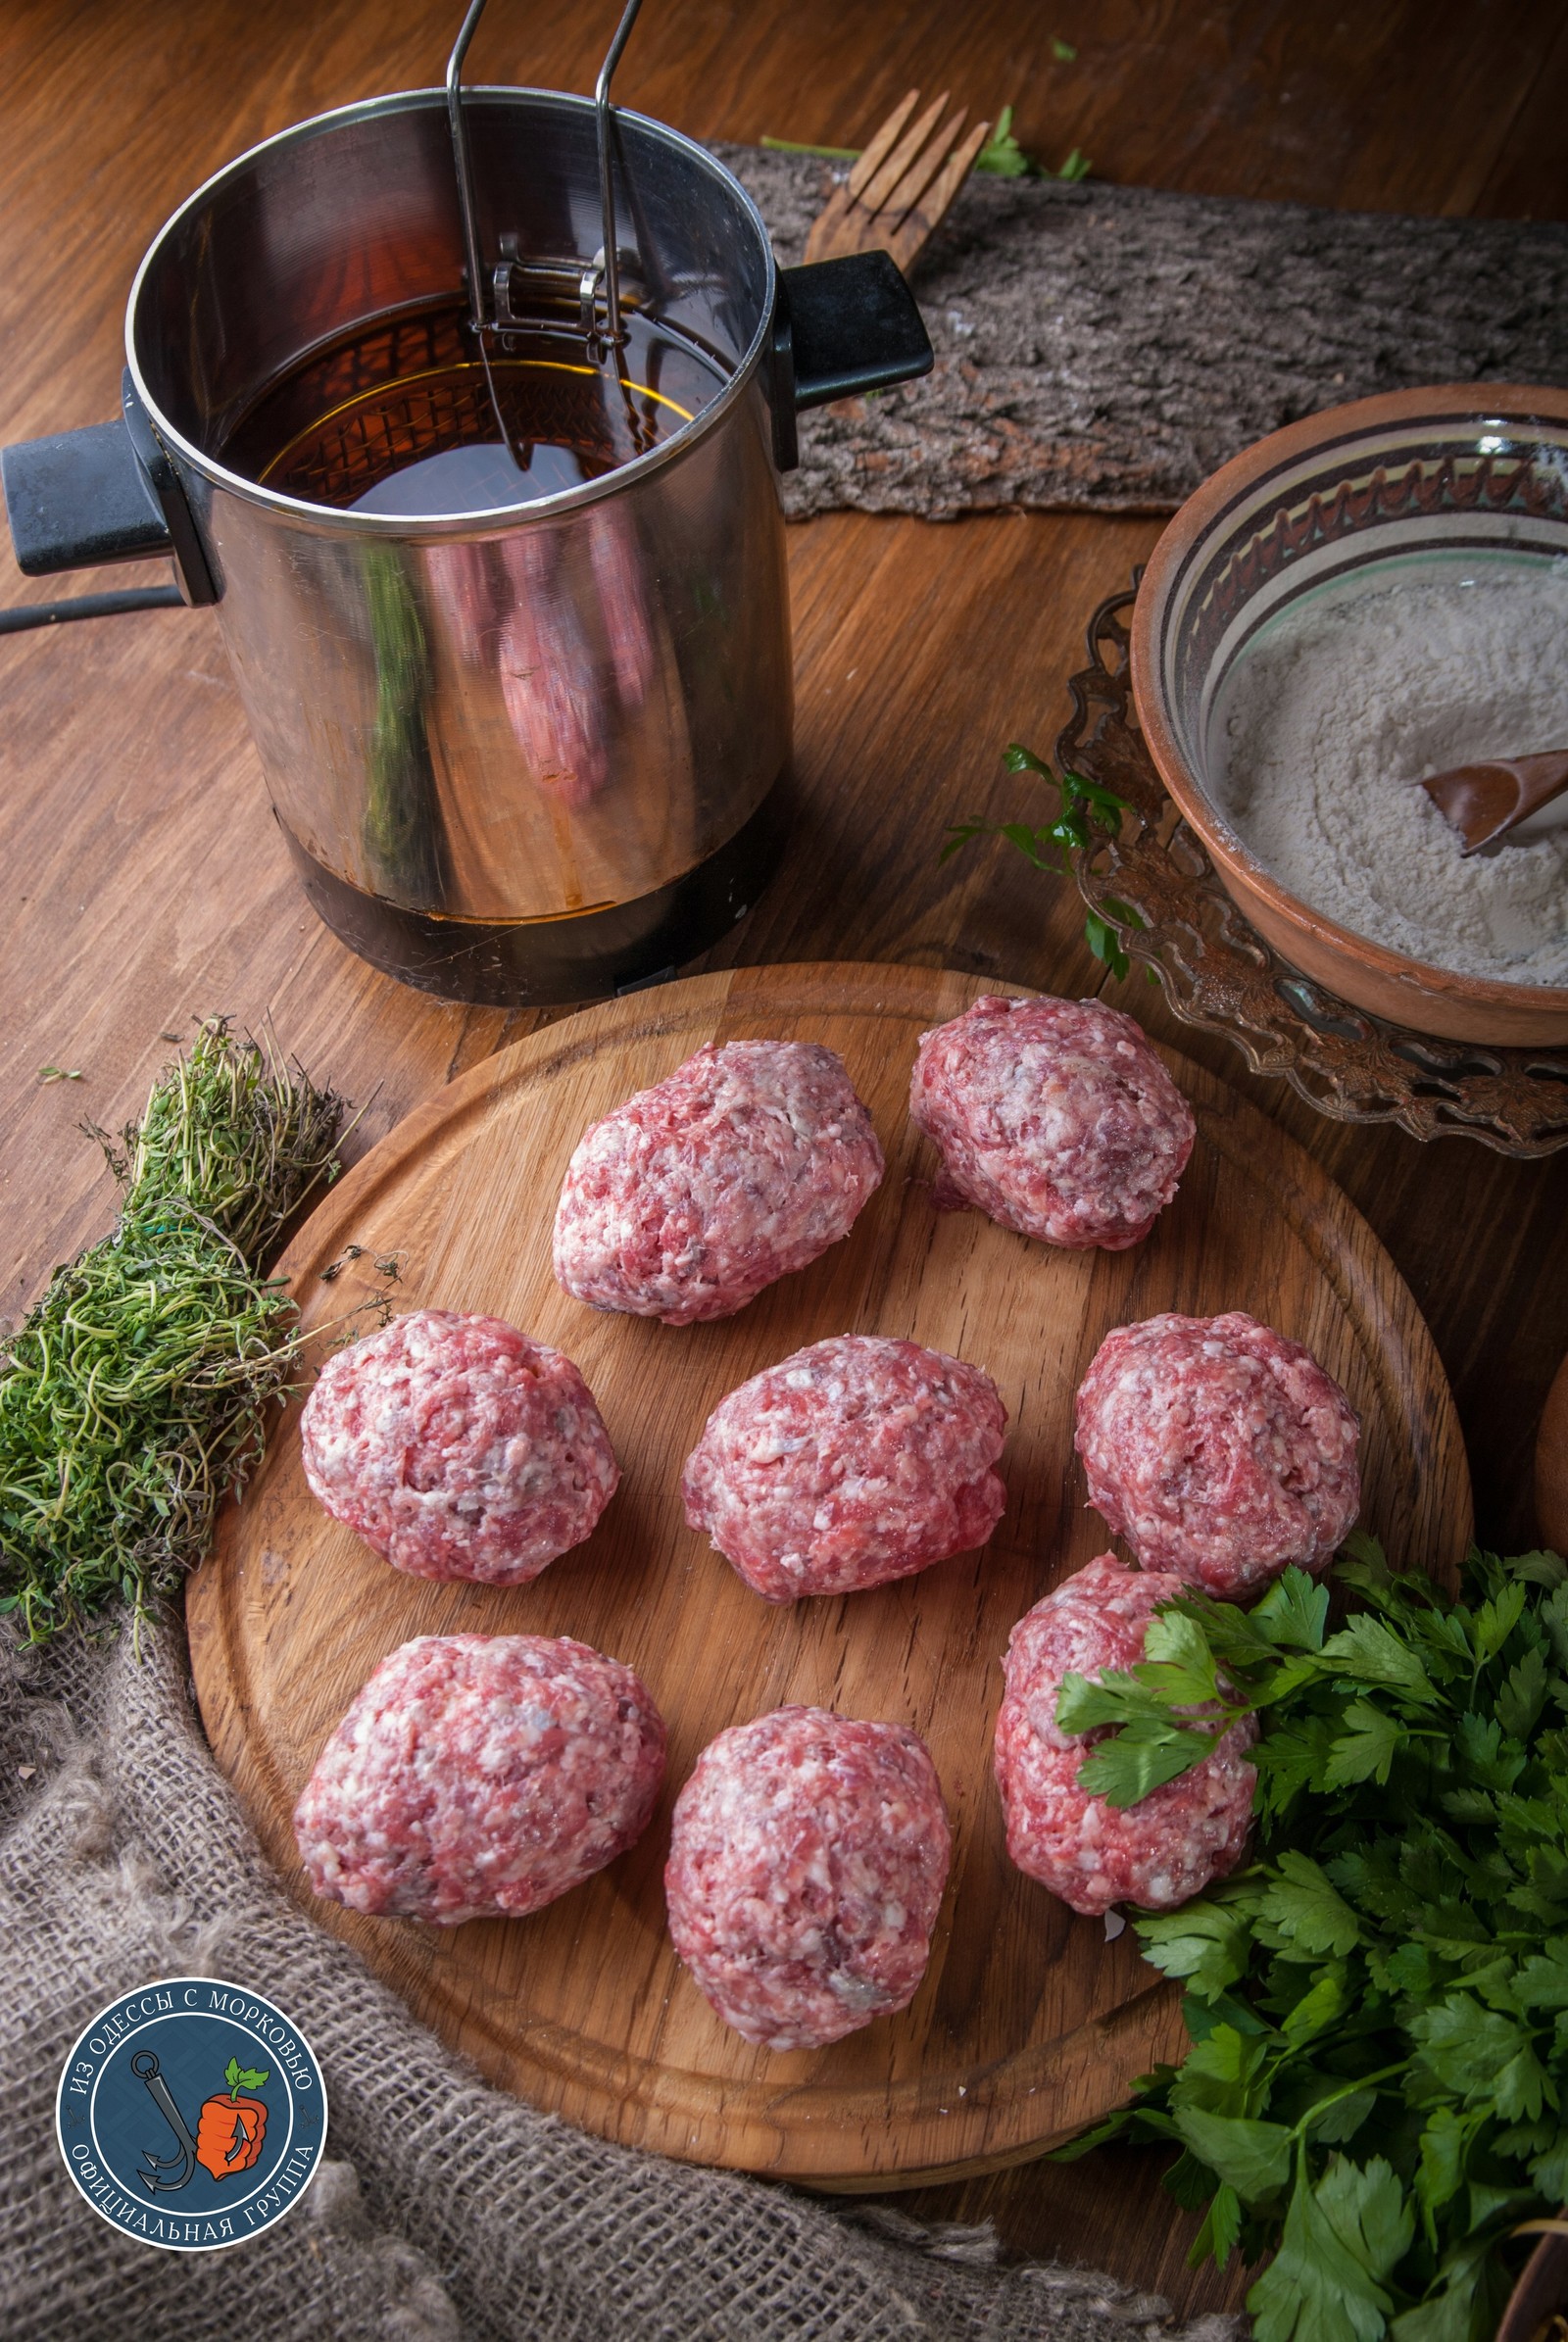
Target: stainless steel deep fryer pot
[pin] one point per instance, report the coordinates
(521, 754)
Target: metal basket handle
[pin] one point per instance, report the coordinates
(606, 260)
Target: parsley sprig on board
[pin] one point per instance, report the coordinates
(1376, 2089)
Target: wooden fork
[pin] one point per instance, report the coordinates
(900, 189)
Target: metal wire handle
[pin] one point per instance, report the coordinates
(608, 259)
(464, 165)
(607, 199)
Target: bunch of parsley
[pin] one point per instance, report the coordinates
(1377, 2006)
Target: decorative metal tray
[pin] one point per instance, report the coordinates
(1217, 971)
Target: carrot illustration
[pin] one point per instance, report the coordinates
(232, 2126)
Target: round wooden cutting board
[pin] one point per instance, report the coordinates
(1029, 2022)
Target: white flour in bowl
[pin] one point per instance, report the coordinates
(1343, 706)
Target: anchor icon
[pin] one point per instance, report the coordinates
(152, 2167)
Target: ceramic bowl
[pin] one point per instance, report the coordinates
(1480, 469)
(1538, 2301)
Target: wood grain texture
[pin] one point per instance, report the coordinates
(142, 879)
(1552, 1466)
(1028, 2025)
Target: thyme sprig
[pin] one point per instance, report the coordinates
(237, 1135)
(134, 1395)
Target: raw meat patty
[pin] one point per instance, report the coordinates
(744, 1165)
(1218, 1449)
(457, 1447)
(805, 1871)
(857, 1461)
(1055, 1118)
(1156, 1853)
(481, 1773)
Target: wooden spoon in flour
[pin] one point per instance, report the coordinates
(1486, 800)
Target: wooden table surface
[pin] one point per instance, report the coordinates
(144, 881)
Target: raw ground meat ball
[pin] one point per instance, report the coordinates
(1174, 1841)
(743, 1165)
(1055, 1118)
(805, 1871)
(457, 1447)
(478, 1775)
(857, 1461)
(1218, 1449)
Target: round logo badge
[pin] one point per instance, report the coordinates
(191, 2113)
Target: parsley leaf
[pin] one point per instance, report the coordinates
(1523, 1693)
(1224, 2073)
(1304, 1911)
(1002, 155)
(1323, 2000)
(1542, 1980)
(1365, 1749)
(1294, 1611)
(1208, 1943)
(1368, 1650)
(1253, 2157)
(1440, 2174)
(1144, 1756)
(1340, 2238)
(1221, 2229)
(1496, 1620)
(1480, 2056)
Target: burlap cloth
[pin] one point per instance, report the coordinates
(445, 2209)
(1104, 348)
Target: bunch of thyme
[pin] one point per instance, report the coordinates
(134, 1395)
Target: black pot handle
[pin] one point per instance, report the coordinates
(108, 492)
(841, 328)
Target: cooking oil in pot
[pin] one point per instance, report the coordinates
(404, 416)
